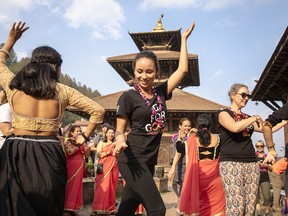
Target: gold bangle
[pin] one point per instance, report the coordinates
(2, 60)
(5, 51)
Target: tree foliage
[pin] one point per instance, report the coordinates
(15, 66)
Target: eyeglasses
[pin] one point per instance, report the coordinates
(244, 95)
(259, 146)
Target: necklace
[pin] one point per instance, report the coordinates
(238, 116)
(158, 118)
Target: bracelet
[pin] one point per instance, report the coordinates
(268, 124)
(270, 146)
(5, 51)
(85, 137)
(2, 60)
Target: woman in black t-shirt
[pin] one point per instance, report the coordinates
(144, 108)
(238, 168)
(238, 165)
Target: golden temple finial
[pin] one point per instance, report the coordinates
(159, 26)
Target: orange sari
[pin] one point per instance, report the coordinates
(106, 184)
(202, 191)
(74, 188)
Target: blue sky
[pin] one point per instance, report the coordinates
(233, 38)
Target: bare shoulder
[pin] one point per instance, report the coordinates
(215, 139)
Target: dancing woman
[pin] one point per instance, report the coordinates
(32, 161)
(144, 108)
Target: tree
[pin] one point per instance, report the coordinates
(13, 56)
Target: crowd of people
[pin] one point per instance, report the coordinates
(213, 173)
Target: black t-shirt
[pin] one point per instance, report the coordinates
(264, 176)
(278, 115)
(236, 147)
(145, 136)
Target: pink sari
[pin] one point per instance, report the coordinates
(202, 191)
(106, 185)
(74, 188)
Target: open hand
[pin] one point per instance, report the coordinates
(171, 174)
(118, 147)
(271, 157)
(17, 30)
(188, 31)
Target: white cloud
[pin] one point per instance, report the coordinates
(148, 4)
(16, 7)
(203, 4)
(219, 4)
(105, 17)
(13, 7)
(43, 2)
(216, 74)
(57, 10)
(97, 35)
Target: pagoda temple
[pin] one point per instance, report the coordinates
(166, 45)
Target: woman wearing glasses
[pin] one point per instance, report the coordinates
(264, 178)
(238, 164)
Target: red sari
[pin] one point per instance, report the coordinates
(106, 184)
(75, 170)
(202, 191)
(140, 208)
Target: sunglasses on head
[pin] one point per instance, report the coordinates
(244, 95)
(259, 146)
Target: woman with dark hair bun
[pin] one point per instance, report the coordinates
(33, 172)
(202, 191)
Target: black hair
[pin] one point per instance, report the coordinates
(204, 124)
(147, 54)
(108, 128)
(39, 77)
(183, 119)
(73, 128)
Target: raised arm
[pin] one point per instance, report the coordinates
(182, 69)
(15, 34)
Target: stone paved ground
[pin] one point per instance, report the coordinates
(170, 200)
